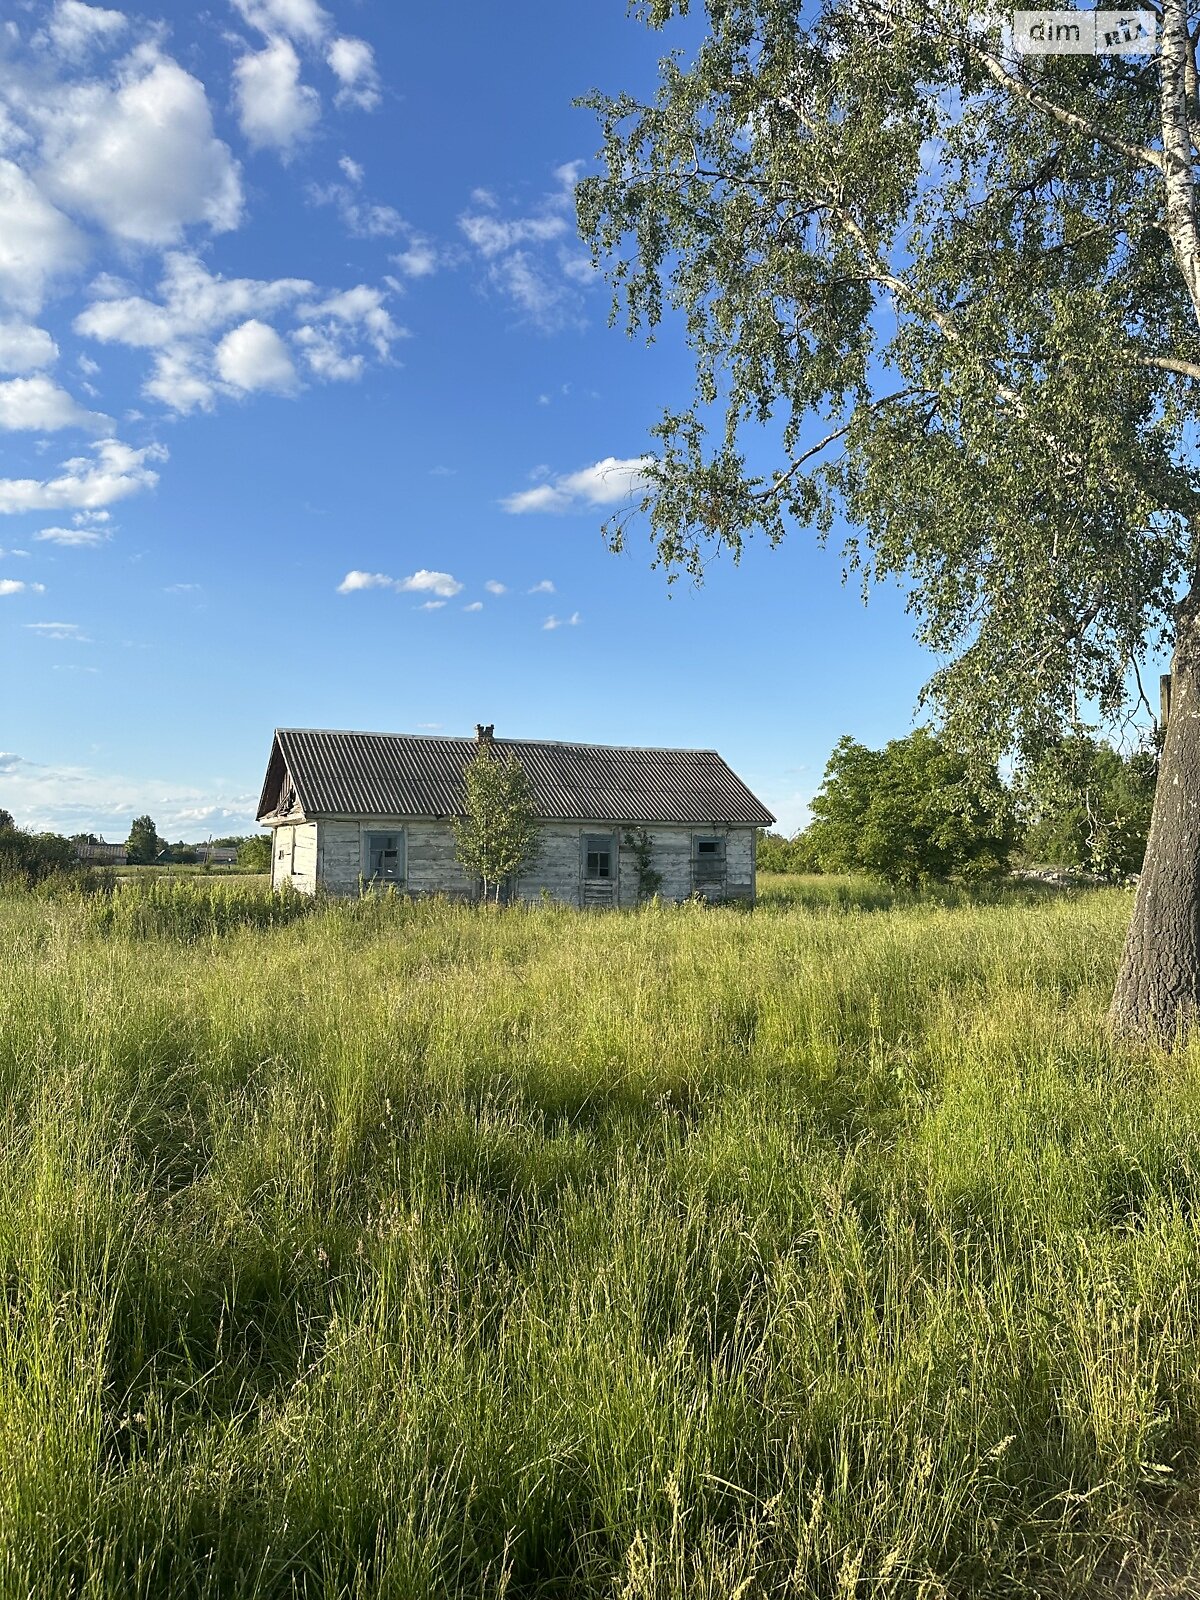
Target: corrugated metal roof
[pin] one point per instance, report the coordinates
(417, 775)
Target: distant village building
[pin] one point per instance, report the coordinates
(216, 855)
(348, 809)
(98, 854)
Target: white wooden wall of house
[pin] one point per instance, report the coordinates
(331, 854)
(294, 856)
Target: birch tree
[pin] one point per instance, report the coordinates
(497, 835)
(953, 294)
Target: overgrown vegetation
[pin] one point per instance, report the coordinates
(400, 1251)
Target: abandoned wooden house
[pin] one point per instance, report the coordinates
(354, 809)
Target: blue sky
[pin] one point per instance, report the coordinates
(310, 415)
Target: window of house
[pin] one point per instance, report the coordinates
(597, 855)
(383, 855)
(708, 855)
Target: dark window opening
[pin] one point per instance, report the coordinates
(598, 856)
(385, 857)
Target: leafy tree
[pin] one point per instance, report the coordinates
(6, 819)
(254, 853)
(779, 854)
(497, 835)
(143, 844)
(27, 859)
(1095, 808)
(910, 813)
(952, 296)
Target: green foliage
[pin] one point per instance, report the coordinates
(28, 859)
(640, 844)
(1093, 808)
(401, 1252)
(143, 844)
(910, 813)
(6, 820)
(941, 302)
(776, 853)
(254, 853)
(497, 835)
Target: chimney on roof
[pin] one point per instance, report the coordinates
(484, 736)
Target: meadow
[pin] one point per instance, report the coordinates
(389, 1249)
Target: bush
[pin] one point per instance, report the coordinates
(29, 859)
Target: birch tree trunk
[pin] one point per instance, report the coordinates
(1157, 995)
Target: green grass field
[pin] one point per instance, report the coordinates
(414, 1250)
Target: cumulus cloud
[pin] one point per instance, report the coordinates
(16, 586)
(253, 356)
(38, 244)
(297, 19)
(194, 305)
(494, 587)
(553, 622)
(274, 108)
(441, 584)
(75, 28)
(112, 472)
(606, 483)
(353, 64)
(419, 258)
(39, 405)
(24, 348)
(544, 587)
(138, 154)
(475, 605)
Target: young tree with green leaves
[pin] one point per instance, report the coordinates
(143, 844)
(956, 292)
(497, 834)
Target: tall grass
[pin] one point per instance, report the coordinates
(409, 1250)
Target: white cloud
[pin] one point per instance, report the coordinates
(493, 587)
(83, 538)
(274, 108)
(364, 580)
(138, 155)
(418, 259)
(491, 235)
(441, 584)
(553, 622)
(352, 169)
(37, 242)
(353, 64)
(298, 19)
(362, 219)
(542, 498)
(16, 586)
(606, 483)
(114, 472)
(75, 28)
(475, 605)
(431, 605)
(194, 305)
(70, 631)
(24, 348)
(545, 587)
(253, 356)
(75, 799)
(524, 256)
(194, 302)
(39, 405)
